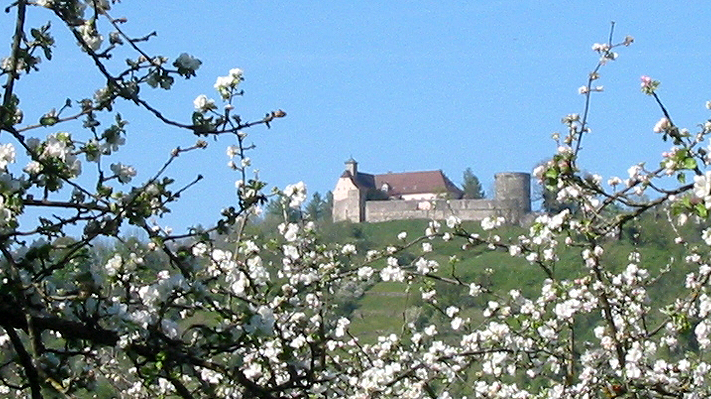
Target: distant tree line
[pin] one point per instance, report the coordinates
(318, 209)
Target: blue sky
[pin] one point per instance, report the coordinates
(399, 85)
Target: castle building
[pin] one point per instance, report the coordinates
(364, 197)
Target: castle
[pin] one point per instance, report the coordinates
(363, 197)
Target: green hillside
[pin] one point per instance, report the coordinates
(386, 306)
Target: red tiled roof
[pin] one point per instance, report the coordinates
(417, 183)
(406, 183)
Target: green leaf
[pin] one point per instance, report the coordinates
(198, 119)
(681, 178)
(690, 163)
(701, 210)
(48, 120)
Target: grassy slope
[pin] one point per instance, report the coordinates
(387, 305)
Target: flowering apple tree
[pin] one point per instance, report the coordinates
(191, 316)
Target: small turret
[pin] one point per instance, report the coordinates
(352, 167)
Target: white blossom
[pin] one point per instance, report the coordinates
(702, 188)
(662, 125)
(204, 104)
(124, 173)
(296, 194)
(348, 249)
(426, 247)
(7, 155)
(90, 36)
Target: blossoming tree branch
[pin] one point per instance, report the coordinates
(215, 313)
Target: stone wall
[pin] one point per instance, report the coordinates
(512, 201)
(465, 209)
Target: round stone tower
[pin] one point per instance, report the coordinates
(513, 194)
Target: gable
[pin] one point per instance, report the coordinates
(343, 186)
